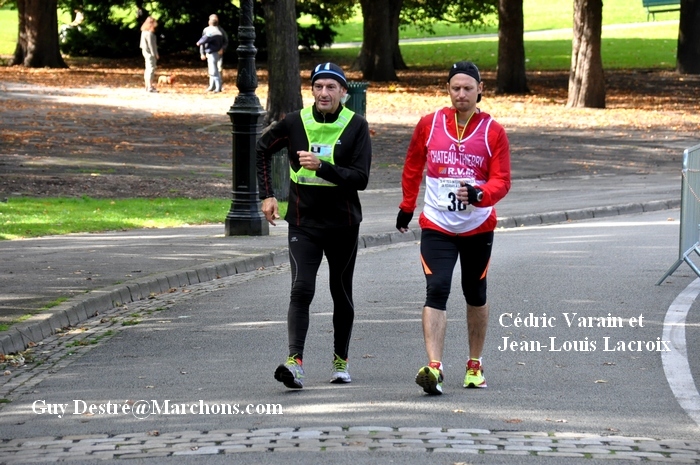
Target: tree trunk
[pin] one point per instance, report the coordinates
(284, 94)
(511, 78)
(688, 58)
(37, 42)
(394, 23)
(586, 78)
(380, 55)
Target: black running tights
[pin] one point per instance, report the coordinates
(306, 249)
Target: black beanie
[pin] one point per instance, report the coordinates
(329, 71)
(468, 68)
(464, 67)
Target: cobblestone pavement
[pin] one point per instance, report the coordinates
(354, 438)
(59, 351)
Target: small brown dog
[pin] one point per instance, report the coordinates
(169, 80)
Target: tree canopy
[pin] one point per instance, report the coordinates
(111, 27)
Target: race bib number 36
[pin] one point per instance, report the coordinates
(447, 194)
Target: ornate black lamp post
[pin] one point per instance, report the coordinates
(245, 218)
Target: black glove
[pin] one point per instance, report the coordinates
(474, 194)
(403, 219)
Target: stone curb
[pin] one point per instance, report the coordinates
(587, 213)
(428, 440)
(79, 309)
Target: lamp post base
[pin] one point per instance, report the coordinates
(246, 225)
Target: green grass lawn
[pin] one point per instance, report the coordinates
(641, 47)
(8, 31)
(24, 217)
(539, 15)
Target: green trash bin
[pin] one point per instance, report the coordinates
(280, 175)
(357, 101)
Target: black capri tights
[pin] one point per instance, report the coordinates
(439, 254)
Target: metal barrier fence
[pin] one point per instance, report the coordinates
(690, 212)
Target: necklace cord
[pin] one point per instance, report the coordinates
(464, 129)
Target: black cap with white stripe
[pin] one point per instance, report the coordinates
(329, 71)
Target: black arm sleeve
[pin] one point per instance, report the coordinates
(273, 139)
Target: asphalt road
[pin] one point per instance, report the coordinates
(221, 341)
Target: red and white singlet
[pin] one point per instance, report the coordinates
(452, 161)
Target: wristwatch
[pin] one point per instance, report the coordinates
(479, 195)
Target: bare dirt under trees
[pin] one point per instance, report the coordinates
(92, 130)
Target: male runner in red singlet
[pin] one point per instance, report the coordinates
(468, 171)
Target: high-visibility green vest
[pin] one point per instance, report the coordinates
(322, 139)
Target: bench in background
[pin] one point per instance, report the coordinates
(660, 6)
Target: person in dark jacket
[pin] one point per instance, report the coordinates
(329, 159)
(211, 48)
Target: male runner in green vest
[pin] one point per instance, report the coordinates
(329, 160)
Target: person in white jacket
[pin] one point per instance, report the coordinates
(149, 48)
